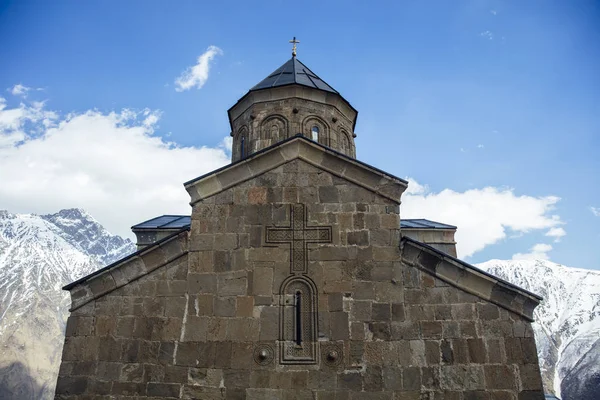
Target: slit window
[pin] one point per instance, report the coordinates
(298, 312)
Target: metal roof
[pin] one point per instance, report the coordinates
(294, 72)
(423, 224)
(165, 222)
(182, 221)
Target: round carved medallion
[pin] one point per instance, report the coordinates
(332, 355)
(263, 354)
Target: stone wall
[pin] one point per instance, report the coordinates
(210, 324)
(288, 111)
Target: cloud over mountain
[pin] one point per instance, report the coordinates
(484, 216)
(114, 165)
(109, 163)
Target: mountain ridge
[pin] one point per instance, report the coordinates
(39, 254)
(567, 321)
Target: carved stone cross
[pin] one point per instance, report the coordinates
(298, 235)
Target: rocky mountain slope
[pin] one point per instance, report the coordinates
(38, 255)
(567, 327)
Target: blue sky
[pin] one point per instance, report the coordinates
(459, 96)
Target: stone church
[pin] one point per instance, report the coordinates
(295, 278)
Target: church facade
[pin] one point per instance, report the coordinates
(295, 278)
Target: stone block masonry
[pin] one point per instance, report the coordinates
(292, 284)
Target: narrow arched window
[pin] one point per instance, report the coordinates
(298, 321)
(242, 147)
(298, 313)
(315, 133)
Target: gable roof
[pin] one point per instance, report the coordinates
(164, 222)
(421, 223)
(297, 147)
(128, 269)
(293, 72)
(468, 278)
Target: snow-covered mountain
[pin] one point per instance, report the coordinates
(38, 255)
(567, 327)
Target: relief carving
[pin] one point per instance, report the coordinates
(298, 293)
(274, 128)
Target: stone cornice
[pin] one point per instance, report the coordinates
(297, 147)
(128, 269)
(468, 278)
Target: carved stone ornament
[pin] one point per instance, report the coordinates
(332, 354)
(298, 235)
(263, 354)
(298, 321)
(298, 293)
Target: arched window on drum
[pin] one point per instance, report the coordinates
(315, 133)
(243, 146)
(344, 143)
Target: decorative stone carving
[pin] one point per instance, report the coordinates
(241, 144)
(263, 354)
(298, 294)
(332, 354)
(298, 321)
(344, 143)
(298, 235)
(274, 128)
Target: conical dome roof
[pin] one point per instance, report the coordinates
(294, 72)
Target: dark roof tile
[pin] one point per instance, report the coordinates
(293, 72)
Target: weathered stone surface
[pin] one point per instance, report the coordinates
(377, 321)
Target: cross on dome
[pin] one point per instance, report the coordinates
(294, 41)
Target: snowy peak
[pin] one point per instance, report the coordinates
(38, 256)
(85, 233)
(567, 321)
(43, 253)
(570, 294)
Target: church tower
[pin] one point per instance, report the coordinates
(291, 101)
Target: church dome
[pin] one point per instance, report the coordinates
(293, 72)
(291, 101)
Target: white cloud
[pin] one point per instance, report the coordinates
(480, 146)
(483, 216)
(595, 211)
(110, 164)
(487, 35)
(227, 143)
(556, 233)
(196, 75)
(415, 187)
(19, 90)
(537, 252)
